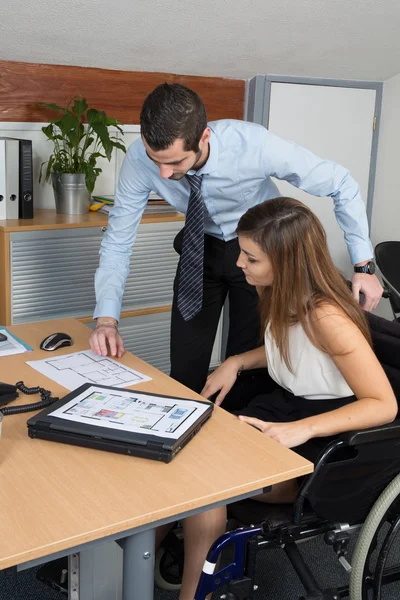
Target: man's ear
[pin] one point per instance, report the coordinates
(205, 138)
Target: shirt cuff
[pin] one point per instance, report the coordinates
(361, 252)
(107, 308)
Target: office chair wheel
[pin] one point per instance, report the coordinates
(372, 560)
(168, 564)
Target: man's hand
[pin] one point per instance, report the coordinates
(106, 336)
(369, 285)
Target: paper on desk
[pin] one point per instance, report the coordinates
(12, 345)
(73, 370)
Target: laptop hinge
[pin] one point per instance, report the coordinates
(44, 425)
(156, 445)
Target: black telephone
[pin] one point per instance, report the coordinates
(8, 393)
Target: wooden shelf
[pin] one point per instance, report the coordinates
(49, 219)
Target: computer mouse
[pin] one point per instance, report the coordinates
(3, 337)
(55, 341)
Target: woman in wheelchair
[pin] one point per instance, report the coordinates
(323, 376)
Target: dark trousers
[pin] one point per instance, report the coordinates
(192, 341)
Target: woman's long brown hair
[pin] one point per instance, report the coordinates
(304, 276)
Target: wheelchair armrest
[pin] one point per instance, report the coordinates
(374, 434)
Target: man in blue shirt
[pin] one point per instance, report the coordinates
(212, 172)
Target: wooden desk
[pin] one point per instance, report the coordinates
(56, 499)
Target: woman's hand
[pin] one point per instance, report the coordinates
(222, 379)
(288, 434)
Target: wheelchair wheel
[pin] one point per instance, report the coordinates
(373, 563)
(168, 564)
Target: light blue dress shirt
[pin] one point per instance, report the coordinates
(237, 175)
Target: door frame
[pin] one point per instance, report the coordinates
(257, 106)
(256, 110)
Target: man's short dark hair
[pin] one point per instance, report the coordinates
(173, 111)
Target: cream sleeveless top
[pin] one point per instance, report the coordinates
(314, 376)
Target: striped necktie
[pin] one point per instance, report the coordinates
(190, 287)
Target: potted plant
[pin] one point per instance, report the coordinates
(72, 164)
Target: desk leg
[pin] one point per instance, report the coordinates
(100, 573)
(138, 576)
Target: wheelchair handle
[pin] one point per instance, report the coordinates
(385, 293)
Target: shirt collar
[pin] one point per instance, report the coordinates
(212, 161)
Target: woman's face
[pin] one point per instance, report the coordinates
(254, 262)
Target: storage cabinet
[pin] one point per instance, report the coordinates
(47, 268)
(52, 272)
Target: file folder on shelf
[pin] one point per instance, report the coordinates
(9, 178)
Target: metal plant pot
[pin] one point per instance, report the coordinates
(70, 193)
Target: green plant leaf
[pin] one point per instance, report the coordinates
(89, 141)
(94, 116)
(119, 145)
(80, 105)
(93, 157)
(68, 122)
(49, 131)
(90, 180)
(117, 139)
(81, 132)
(51, 106)
(110, 121)
(73, 138)
(104, 136)
(49, 167)
(41, 170)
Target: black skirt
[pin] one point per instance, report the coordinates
(257, 395)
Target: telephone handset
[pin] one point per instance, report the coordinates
(8, 393)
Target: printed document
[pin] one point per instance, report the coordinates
(73, 370)
(132, 411)
(12, 345)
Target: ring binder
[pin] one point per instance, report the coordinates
(9, 178)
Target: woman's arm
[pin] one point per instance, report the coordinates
(376, 403)
(223, 378)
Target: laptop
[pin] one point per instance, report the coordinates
(120, 420)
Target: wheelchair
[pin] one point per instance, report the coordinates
(355, 488)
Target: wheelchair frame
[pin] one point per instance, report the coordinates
(386, 254)
(382, 511)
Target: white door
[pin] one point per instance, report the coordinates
(334, 123)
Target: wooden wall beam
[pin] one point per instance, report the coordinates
(119, 93)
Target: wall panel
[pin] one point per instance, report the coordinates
(119, 93)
